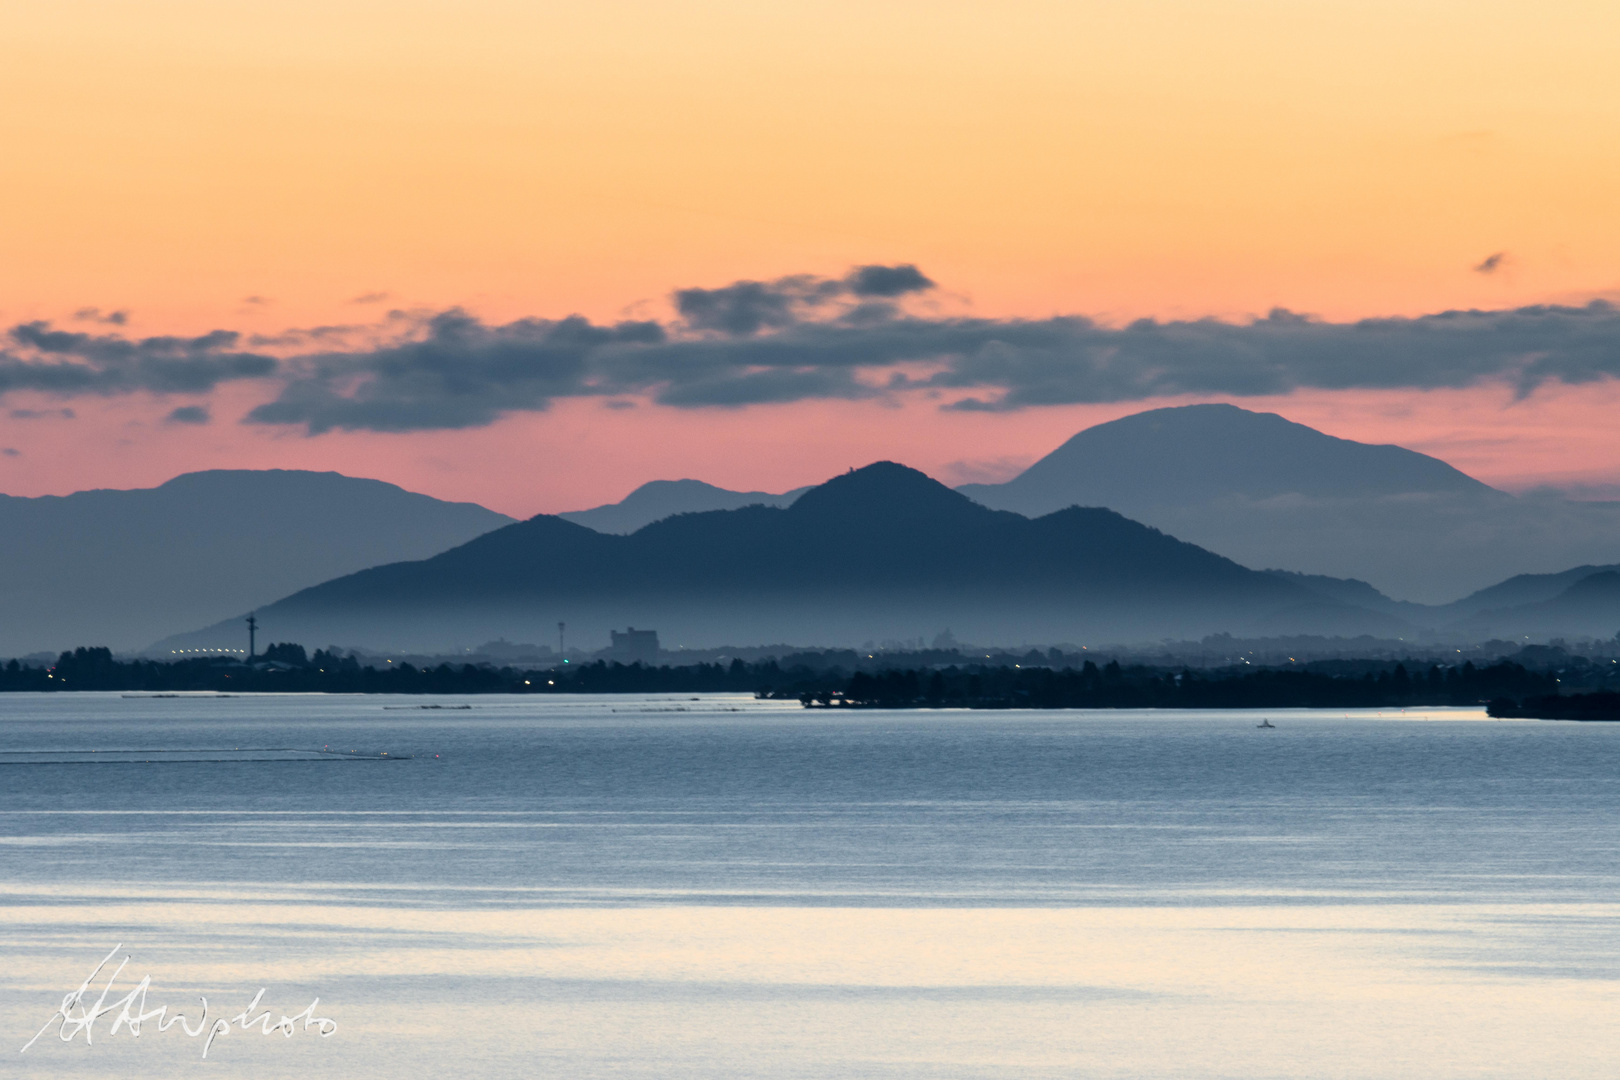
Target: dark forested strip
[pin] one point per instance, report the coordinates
(1599, 706)
(1003, 686)
(1113, 687)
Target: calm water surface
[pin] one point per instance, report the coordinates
(679, 887)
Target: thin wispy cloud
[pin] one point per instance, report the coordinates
(94, 314)
(805, 338)
(1491, 263)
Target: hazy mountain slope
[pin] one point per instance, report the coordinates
(1267, 492)
(659, 499)
(879, 552)
(1522, 590)
(1360, 594)
(1196, 453)
(1588, 607)
(1581, 602)
(120, 568)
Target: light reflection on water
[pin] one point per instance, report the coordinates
(668, 887)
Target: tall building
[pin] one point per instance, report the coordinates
(634, 645)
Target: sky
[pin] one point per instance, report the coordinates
(533, 254)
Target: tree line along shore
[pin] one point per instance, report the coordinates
(1509, 689)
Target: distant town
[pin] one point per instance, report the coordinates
(1531, 680)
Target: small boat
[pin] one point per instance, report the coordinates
(1266, 724)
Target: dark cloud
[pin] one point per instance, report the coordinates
(10, 451)
(766, 387)
(41, 414)
(1491, 263)
(369, 298)
(460, 373)
(750, 307)
(747, 307)
(66, 362)
(188, 414)
(464, 373)
(887, 280)
(809, 338)
(1064, 361)
(744, 308)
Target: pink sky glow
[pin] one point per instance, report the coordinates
(257, 166)
(581, 453)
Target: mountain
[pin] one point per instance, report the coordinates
(1576, 603)
(879, 552)
(1269, 492)
(1523, 590)
(1587, 607)
(659, 499)
(120, 568)
(1582, 602)
(1196, 453)
(1362, 595)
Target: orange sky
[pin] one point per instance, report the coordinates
(1119, 159)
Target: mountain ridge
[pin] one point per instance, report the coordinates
(1239, 453)
(658, 499)
(122, 566)
(1267, 491)
(865, 555)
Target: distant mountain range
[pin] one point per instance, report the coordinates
(660, 499)
(885, 552)
(1199, 453)
(1589, 605)
(879, 552)
(1582, 602)
(1267, 492)
(122, 568)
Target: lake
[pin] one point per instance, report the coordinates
(705, 887)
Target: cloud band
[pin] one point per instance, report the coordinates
(809, 338)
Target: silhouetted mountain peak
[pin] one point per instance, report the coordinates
(879, 551)
(208, 477)
(886, 491)
(123, 566)
(1193, 451)
(660, 499)
(1263, 489)
(251, 486)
